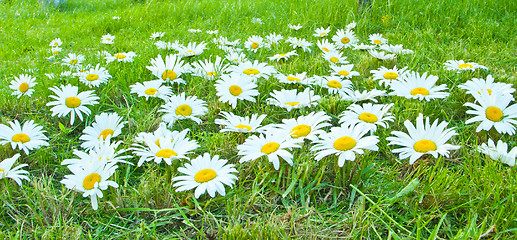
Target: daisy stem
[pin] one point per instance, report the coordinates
(352, 173)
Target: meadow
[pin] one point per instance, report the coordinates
(379, 195)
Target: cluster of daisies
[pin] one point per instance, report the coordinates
(236, 79)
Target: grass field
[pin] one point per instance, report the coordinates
(378, 196)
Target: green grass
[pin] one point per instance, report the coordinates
(379, 196)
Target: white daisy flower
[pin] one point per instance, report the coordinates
(460, 66)
(254, 43)
(499, 152)
(164, 149)
(345, 38)
(209, 70)
(426, 138)
(494, 112)
(106, 124)
(326, 46)
(91, 179)
(56, 42)
(414, 86)
(192, 30)
(368, 116)
(153, 89)
(321, 32)
(23, 85)
(231, 88)
(351, 25)
(336, 85)
(182, 107)
(357, 96)
(169, 45)
(106, 150)
(283, 56)
(15, 173)
(300, 43)
(294, 27)
(305, 127)
(234, 123)
(272, 145)
(335, 57)
(27, 137)
(156, 35)
(290, 99)
(343, 71)
(292, 78)
(344, 142)
(169, 70)
(273, 39)
(381, 55)
(377, 39)
(475, 86)
(386, 75)
(72, 60)
(236, 57)
(396, 49)
(56, 50)
(254, 69)
(192, 49)
(107, 39)
(256, 21)
(121, 57)
(161, 132)
(70, 101)
(116, 17)
(212, 31)
(95, 76)
(205, 174)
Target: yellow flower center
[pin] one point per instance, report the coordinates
(56, 43)
(283, 54)
(368, 117)
(92, 77)
(108, 39)
(120, 56)
(419, 90)
(323, 34)
(2, 170)
(105, 133)
(214, 74)
(240, 126)
(72, 102)
(166, 153)
(254, 45)
(169, 74)
(235, 90)
(334, 59)
(424, 146)
(343, 73)
(488, 90)
(73, 61)
(390, 75)
(184, 110)
(325, 49)
(270, 147)
(90, 180)
(251, 71)
(151, 91)
(56, 52)
(301, 130)
(334, 84)
(292, 104)
(494, 114)
(377, 41)
(293, 79)
(205, 175)
(23, 87)
(345, 40)
(21, 137)
(344, 143)
(465, 65)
